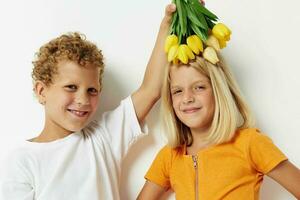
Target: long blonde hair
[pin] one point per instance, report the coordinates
(231, 110)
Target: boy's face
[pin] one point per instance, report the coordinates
(72, 97)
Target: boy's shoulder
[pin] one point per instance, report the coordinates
(17, 159)
(20, 152)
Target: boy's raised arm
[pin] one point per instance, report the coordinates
(149, 92)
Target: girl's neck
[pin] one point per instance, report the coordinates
(199, 142)
(199, 135)
(196, 147)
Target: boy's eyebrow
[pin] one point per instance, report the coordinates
(71, 82)
(67, 81)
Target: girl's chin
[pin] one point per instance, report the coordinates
(199, 128)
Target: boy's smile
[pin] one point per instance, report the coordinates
(78, 113)
(71, 99)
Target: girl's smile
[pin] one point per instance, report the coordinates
(192, 97)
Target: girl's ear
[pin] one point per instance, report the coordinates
(40, 90)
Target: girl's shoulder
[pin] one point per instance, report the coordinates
(172, 151)
(260, 150)
(248, 133)
(250, 137)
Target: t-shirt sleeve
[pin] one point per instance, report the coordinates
(121, 127)
(264, 154)
(15, 179)
(159, 171)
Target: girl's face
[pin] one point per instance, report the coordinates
(72, 99)
(192, 97)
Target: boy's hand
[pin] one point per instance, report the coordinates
(170, 9)
(149, 92)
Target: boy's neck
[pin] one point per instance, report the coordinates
(50, 136)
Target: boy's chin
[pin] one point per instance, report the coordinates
(75, 128)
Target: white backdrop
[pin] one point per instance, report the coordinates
(263, 54)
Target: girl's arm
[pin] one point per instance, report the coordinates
(151, 191)
(149, 92)
(287, 175)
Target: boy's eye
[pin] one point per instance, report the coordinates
(93, 91)
(71, 87)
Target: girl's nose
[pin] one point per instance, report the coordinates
(188, 97)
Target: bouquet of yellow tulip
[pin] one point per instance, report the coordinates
(194, 31)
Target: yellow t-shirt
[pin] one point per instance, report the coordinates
(230, 171)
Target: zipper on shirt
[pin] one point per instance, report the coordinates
(196, 176)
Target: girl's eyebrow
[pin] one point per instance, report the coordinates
(193, 83)
(200, 81)
(174, 86)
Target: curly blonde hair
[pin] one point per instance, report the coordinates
(72, 46)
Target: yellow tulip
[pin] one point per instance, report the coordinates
(188, 51)
(173, 52)
(222, 43)
(170, 41)
(212, 41)
(182, 54)
(195, 44)
(221, 31)
(175, 61)
(210, 55)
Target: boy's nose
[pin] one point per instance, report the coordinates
(82, 100)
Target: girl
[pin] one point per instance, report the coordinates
(213, 151)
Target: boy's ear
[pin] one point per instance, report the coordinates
(39, 89)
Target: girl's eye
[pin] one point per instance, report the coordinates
(93, 91)
(71, 87)
(176, 92)
(199, 87)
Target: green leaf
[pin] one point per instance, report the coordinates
(211, 19)
(210, 23)
(178, 31)
(204, 33)
(179, 38)
(201, 18)
(192, 16)
(182, 15)
(200, 32)
(201, 9)
(174, 22)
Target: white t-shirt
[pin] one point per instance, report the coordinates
(74, 168)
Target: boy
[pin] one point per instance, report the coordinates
(74, 158)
